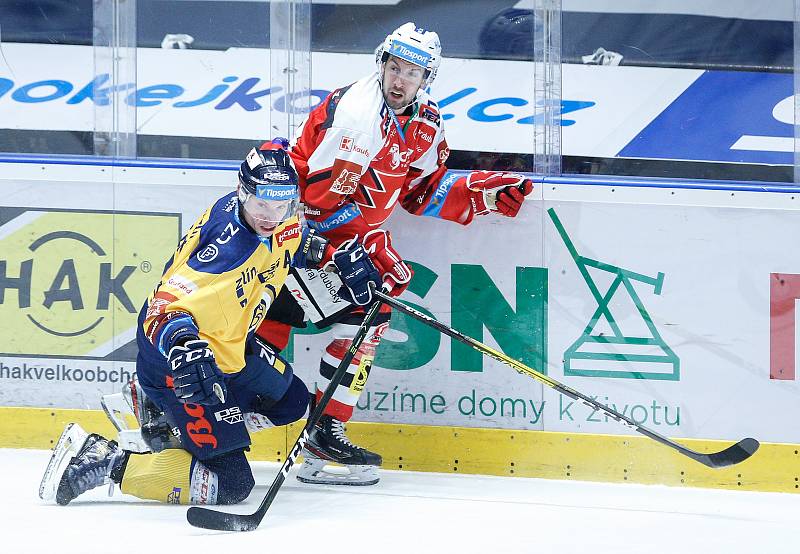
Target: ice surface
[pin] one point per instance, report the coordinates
(408, 513)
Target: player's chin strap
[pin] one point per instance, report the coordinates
(729, 456)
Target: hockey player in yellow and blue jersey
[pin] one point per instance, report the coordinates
(204, 378)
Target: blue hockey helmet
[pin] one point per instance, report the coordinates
(268, 187)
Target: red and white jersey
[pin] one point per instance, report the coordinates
(357, 161)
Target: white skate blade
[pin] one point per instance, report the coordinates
(133, 441)
(67, 447)
(323, 472)
(118, 411)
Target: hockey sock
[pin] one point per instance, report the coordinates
(164, 476)
(346, 394)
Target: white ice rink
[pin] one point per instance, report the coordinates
(408, 513)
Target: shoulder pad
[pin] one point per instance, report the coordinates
(222, 242)
(357, 106)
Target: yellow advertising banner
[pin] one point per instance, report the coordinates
(72, 282)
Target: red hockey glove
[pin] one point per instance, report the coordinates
(394, 271)
(503, 193)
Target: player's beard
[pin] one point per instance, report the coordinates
(397, 99)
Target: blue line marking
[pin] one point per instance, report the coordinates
(155, 163)
(591, 180)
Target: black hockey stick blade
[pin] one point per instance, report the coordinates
(732, 455)
(221, 521)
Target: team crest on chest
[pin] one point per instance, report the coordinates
(398, 158)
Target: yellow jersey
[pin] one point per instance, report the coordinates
(221, 280)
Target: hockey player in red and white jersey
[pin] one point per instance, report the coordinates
(366, 148)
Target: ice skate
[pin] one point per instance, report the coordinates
(80, 462)
(331, 459)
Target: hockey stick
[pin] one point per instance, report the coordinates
(221, 521)
(732, 455)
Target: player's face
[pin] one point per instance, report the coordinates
(264, 216)
(401, 81)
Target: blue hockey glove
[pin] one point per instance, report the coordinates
(195, 376)
(357, 272)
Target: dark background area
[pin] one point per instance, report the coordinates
(468, 29)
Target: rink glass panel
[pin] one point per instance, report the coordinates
(645, 89)
(677, 90)
(243, 79)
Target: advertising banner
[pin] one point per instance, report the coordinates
(680, 316)
(668, 314)
(606, 111)
(71, 285)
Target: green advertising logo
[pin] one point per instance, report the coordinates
(603, 349)
(475, 304)
(71, 282)
(612, 353)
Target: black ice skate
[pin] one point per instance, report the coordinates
(81, 462)
(331, 459)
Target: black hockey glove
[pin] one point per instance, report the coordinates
(357, 272)
(314, 249)
(195, 376)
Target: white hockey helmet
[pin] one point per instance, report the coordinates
(414, 45)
